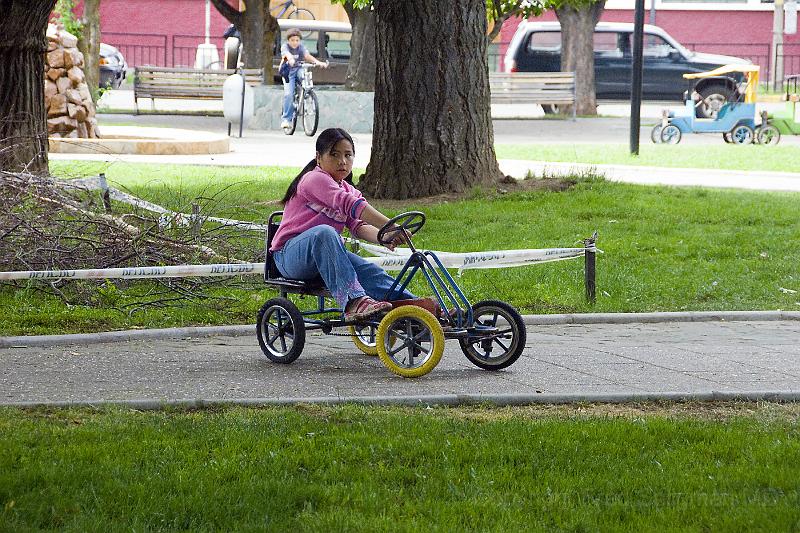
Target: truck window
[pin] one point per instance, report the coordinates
(606, 44)
(338, 44)
(545, 42)
(656, 46)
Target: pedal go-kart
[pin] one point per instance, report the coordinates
(785, 122)
(735, 120)
(409, 339)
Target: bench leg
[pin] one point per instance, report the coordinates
(135, 105)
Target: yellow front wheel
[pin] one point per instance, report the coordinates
(410, 341)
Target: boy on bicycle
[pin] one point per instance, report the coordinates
(292, 54)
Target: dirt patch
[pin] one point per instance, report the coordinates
(504, 186)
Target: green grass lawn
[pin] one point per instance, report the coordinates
(666, 249)
(781, 158)
(351, 468)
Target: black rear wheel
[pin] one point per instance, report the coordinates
(310, 113)
(281, 330)
(298, 109)
(499, 336)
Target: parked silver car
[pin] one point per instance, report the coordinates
(113, 67)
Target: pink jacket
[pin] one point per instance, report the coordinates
(320, 200)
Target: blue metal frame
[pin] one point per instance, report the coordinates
(440, 281)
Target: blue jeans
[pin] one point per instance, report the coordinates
(320, 251)
(288, 93)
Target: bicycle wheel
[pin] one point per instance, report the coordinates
(297, 110)
(310, 112)
(302, 14)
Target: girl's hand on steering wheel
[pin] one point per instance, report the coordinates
(397, 240)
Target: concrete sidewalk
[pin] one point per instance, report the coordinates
(580, 361)
(267, 148)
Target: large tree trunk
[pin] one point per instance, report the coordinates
(89, 45)
(577, 51)
(361, 68)
(23, 125)
(433, 129)
(259, 30)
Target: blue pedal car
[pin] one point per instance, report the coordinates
(735, 120)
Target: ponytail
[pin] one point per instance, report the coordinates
(292, 190)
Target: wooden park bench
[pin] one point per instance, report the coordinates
(162, 82)
(544, 88)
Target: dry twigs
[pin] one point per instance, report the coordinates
(49, 224)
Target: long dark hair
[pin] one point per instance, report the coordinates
(325, 143)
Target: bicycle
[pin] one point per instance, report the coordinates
(299, 13)
(305, 102)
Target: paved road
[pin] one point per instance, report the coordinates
(259, 148)
(573, 359)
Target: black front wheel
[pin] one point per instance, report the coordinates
(310, 113)
(499, 336)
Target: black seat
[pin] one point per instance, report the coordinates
(273, 276)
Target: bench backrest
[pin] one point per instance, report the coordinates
(187, 81)
(550, 87)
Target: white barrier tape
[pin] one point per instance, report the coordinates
(460, 261)
(178, 271)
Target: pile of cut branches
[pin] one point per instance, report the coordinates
(48, 223)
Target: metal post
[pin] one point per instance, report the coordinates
(589, 267)
(196, 221)
(105, 193)
(241, 110)
(636, 77)
(652, 12)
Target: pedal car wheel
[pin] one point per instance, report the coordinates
(768, 135)
(742, 134)
(503, 347)
(727, 137)
(281, 331)
(671, 134)
(655, 133)
(410, 341)
(364, 336)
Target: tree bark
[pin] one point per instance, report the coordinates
(259, 30)
(577, 51)
(23, 126)
(89, 45)
(433, 130)
(361, 68)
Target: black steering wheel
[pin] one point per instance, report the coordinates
(409, 222)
